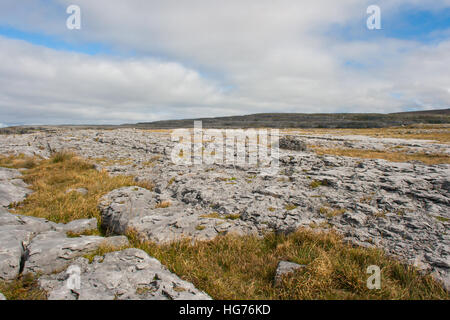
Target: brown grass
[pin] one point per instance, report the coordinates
(163, 204)
(23, 288)
(331, 212)
(429, 159)
(50, 179)
(232, 267)
(18, 162)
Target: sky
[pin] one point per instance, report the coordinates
(147, 60)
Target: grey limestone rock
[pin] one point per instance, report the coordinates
(123, 275)
(284, 268)
(52, 251)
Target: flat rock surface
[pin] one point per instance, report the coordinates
(122, 275)
(52, 251)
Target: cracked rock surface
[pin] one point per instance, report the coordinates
(52, 251)
(133, 208)
(122, 275)
(38, 246)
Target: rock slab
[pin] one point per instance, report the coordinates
(130, 274)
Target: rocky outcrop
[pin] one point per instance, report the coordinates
(16, 233)
(292, 143)
(122, 275)
(38, 246)
(136, 209)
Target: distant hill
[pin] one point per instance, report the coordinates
(306, 120)
(432, 112)
(274, 120)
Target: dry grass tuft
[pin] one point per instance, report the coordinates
(23, 288)
(331, 212)
(163, 204)
(231, 267)
(18, 162)
(104, 249)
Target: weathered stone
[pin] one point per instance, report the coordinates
(52, 251)
(80, 226)
(12, 243)
(2, 297)
(284, 268)
(12, 189)
(123, 275)
(82, 191)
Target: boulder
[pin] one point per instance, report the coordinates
(283, 268)
(292, 143)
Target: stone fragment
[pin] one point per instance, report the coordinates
(283, 268)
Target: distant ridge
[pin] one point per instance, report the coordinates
(435, 112)
(273, 120)
(306, 120)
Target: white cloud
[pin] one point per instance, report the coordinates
(215, 58)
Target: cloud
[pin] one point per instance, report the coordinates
(205, 58)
